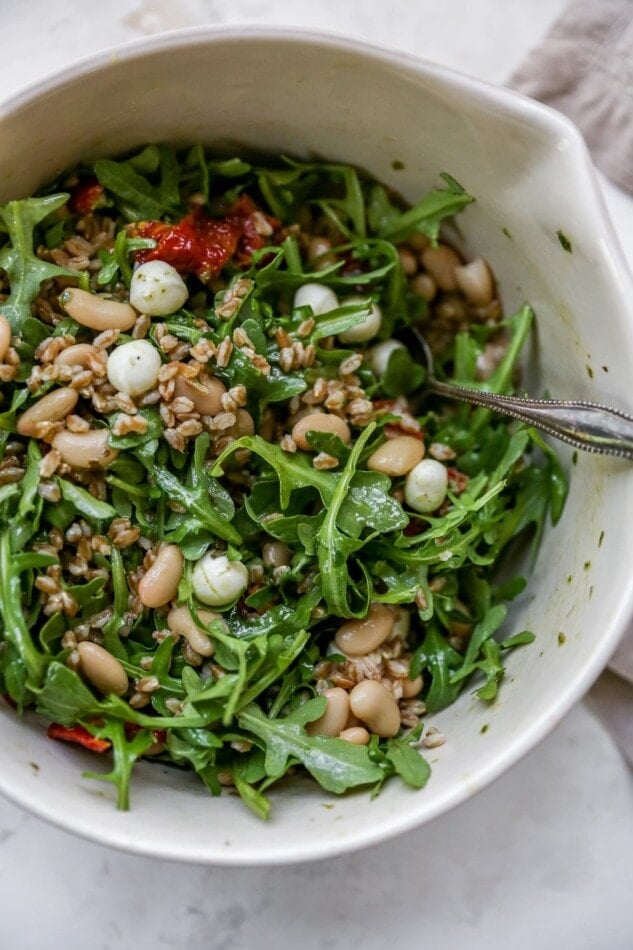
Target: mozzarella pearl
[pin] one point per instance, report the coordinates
(133, 367)
(425, 486)
(366, 330)
(318, 297)
(157, 289)
(380, 354)
(217, 581)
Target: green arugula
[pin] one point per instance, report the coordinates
(24, 269)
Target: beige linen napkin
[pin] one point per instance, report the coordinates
(584, 68)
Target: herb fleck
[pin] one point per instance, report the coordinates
(565, 243)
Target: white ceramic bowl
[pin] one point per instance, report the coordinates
(404, 121)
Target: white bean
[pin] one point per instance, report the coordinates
(333, 720)
(360, 637)
(441, 262)
(53, 407)
(276, 554)
(319, 422)
(5, 336)
(397, 456)
(204, 391)
(475, 282)
(181, 622)
(160, 582)
(96, 311)
(85, 449)
(411, 688)
(376, 707)
(101, 668)
(357, 735)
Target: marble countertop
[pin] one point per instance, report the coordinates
(543, 857)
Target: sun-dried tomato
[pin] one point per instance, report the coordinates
(79, 736)
(201, 245)
(131, 729)
(416, 526)
(86, 196)
(457, 481)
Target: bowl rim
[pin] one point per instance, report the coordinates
(493, 766)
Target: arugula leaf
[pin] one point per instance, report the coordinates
(137, 197)
(64, 697)
(427, 215)
(25, 270)
(337, 765)
(16, 631)
(406, 760)
(125, 753)
(196, 499)
(86, 504)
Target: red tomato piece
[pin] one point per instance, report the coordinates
(86, 196)
(79, 736)
(201, 245)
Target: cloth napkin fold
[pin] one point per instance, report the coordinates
(584, 68)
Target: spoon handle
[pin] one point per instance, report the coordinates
(585, 425)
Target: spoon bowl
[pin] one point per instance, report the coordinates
(585, 425)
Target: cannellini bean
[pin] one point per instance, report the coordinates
(276, 554)
(423, 285)
(357, 735)
(97, 311)
(475, 282)
(376, 707)
(418, 241)
(101, 668)
(360, 637)
(5, 336)
(180, 621)
(408, 261)
(380, 354)
(441, 262)
(85, 449)
(333, 720)
(79, 354)
(318, 297)
(160, 582)
(244, 425)
(397, 456)
(205, 393)
(425, 486)
(217, 581)
(157, 289)
(411, 688)
(366, 330)
(133, 367)
(319, 422)
(53, 407)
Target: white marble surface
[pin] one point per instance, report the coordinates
(543, 857)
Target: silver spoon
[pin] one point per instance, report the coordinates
(585, 425)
